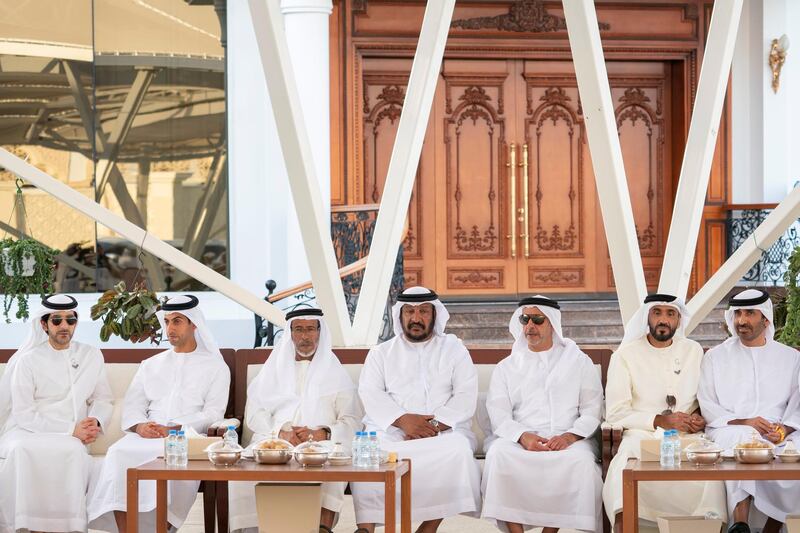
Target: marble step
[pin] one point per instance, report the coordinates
(586, 322)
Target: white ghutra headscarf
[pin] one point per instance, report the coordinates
(275, 387)
(417, 296)
(188, 306)
(637, 327)
(750, 299)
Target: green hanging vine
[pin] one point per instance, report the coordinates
(790, 307)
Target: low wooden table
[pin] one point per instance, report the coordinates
(250, 471)
(637, 471)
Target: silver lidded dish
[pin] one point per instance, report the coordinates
(753, 455)
(703, 452)
(224, 457)
(221, 454)
(276, 454)
(703, 458)
(312, 453)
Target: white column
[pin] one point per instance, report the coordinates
(777, 125)
(257, 182)
(765, 131)
(265, 240)
(747, 95)
(306, 23)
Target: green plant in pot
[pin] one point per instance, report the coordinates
(131, 315)
(787, 311)
(28, 267)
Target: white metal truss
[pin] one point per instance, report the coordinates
(743, 259)
(279, 74)
(135, 234)
(402, 170)
(606, 152)
(699, 153)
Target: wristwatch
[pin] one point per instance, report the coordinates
(434, 423)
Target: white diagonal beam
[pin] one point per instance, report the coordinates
(604, 146)
(743, 259)
(402, 171)
(116, 137)
(134, 233)
(278, 71)
(699, 153)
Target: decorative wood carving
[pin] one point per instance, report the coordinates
(383, 97)
(412, 277)
(651, 276)
(523, 16)
(479, 278)
(477, 120)
(635, 110)
(554, 116)
(562, 277)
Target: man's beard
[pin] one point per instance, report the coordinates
(661, 337)
(417, 337)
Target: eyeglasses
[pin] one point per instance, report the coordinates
(56, 320)
(537, 319)
(671, 403)
(305, 331)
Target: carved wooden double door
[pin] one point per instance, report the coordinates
(505, 199)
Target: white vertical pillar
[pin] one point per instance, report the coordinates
(256, 172)
(306, 23)
(747, 96)
(776, 106)
(265, 240)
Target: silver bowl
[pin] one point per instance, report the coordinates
(340, 460)
(224, 458)
(788, 457)
(311, 458)
(753, 455)
(702, 458)
(272, 457)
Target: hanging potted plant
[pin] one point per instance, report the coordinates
(28, 267)
(131, 315)
(787, 310)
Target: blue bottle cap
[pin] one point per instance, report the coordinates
(173, 432)
(371, 433)
(231, 428)
(181, 433)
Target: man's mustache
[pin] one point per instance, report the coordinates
(412, 324)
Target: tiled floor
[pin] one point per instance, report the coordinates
(347, 523)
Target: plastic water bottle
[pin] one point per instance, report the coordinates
(365, 460)
(231, 438)
(182, 450)
(170, 448)
(374, 450)
(667, 455)
(356, 450)
(676, 446)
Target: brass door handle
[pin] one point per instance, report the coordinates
(525, 200)
(511, 165)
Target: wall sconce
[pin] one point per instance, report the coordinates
(777, 57)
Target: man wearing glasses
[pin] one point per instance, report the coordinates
(54, 400)
(420, 391)
(652, 383)
(545, 401)
(302, 391)
(746, 387)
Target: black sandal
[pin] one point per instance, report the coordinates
(739, 527)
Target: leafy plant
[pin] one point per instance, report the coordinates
(130, 315)
(17, 286)
(790, 308)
